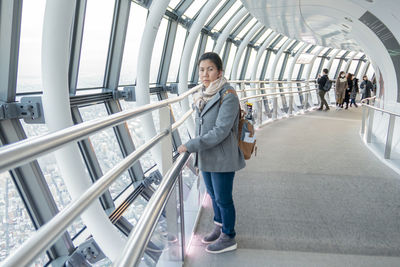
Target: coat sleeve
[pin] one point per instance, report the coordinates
(228, 111)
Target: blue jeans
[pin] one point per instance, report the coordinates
(219, 186)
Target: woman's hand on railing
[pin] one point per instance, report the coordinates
(182, 149)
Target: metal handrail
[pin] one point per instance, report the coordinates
(275, 81)
(16, 154)
(277, 93)
(368, 134)
(46, 234)
(141, 234)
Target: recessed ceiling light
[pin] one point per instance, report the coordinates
(348, 19)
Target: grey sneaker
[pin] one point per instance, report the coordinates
(211, 237)
(223, 244)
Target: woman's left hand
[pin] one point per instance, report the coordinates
(182, 149)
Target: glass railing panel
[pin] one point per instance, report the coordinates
(95, 42)
(106, 147)
(16, 225)
(52, 175)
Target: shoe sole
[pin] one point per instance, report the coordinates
(233, 247)
(208, 242)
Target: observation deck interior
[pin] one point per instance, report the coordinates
(96, 96)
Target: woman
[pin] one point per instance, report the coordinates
(354, 91)
(340, 88)
(217, 153)
(348, 90)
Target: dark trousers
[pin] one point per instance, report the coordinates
(219, 186)
(322, 96)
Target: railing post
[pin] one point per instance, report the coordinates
(305, 102)
(370, 122)
(389, 136)
(275, 107)
(242, 88)
(364, 113)
(171, 212)
(291, 104)
(181, 216)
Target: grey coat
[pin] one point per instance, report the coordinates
(215, 143)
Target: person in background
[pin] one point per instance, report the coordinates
(340, 88)
(366, 87)
(321, 92)
(374, 86)
(217, 154)
(354, 91)
(348, 89)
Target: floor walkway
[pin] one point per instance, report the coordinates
(313, 196)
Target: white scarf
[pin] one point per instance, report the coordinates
(201, 98)
(343, 79)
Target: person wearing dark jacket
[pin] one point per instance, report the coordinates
(321, 92)
(348, 90)
(354, 91)
(366, 87)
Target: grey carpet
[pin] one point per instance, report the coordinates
(314, 187)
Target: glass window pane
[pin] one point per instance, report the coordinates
(296, 71)
(270, 63)
(288, 65)
(341, 53)
(157, 51)
(30, 51)
(98, 21)
(279, 66)
(106, 147)
(229, 63)
(297, 47)
(135, 127)
(323, 51)
(194, 8)
(52, 174)
(174, 3)
(229, 14)
(313, 73)
(353, 66)
(215, 11)
(209, 44)
(261, 64)
(359, 74)
(334, 66)
(176, 54)
(178, 113)
(250, 66)
(193, 59)
(16, 226)
(280, 43)
(246, 29)
(136, 24)
(263, 37)
(370, 72)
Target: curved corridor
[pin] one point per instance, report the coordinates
(313, 195)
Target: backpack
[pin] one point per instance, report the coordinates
(327, 85)
(246, 132)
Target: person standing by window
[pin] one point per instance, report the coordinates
(217, 154)
(321, 91)
(354, 91)
(366, 87)
(348, 89)
(340, 89)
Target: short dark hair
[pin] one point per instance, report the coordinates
(326, 71)
(213, 57)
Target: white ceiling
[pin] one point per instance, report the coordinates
(322, 22)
